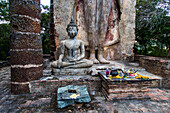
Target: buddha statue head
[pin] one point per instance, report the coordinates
(72, 29)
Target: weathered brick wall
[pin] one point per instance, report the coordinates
(92, 83)
(156, 65)
(137, 57)
(125, 90)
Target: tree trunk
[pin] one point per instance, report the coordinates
(145, 51)
(161, 52)
(168, 55)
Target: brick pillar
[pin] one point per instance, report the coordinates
(52, 37)
(25, 44)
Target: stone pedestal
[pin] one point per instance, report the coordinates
(120, 89)
(73, 72)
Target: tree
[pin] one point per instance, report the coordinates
(4, 41)
(45, 29)
(152, 27)
(4, 10)
(4, 29)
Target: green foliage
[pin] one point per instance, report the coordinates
(4, 29)
(45, 29)
(4, 10)
(152, 28)
(4, 41)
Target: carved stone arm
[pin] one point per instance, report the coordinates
(82, 51)
(62, 52)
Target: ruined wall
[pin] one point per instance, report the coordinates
(43, 86)
(156, 65)
(120, 36)
(112, 38)
(62, 13)
(127, 29)
(63, 10)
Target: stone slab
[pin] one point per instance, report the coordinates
(74, 72)
(64, 97)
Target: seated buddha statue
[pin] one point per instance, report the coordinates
(72, 51)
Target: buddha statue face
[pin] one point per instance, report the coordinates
(72, 31)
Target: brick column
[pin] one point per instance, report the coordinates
(52, 37)
(25, 44)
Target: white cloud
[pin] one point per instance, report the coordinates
(45, 2)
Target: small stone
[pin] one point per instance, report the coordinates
(69, 111)
(87, 105)
(79, 105)
(27, 111)
(155, 98)
(26, 104)
(163, 98)
(116, 111)
(14, 111)
(92, 111)
(134, 110)
(143, 109)
(92, 92)
(134, 64)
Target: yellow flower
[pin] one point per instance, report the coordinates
(74, 95)
(118, 76)
(136, 74)
(147, 77)
(140, 76)
(128, 71)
